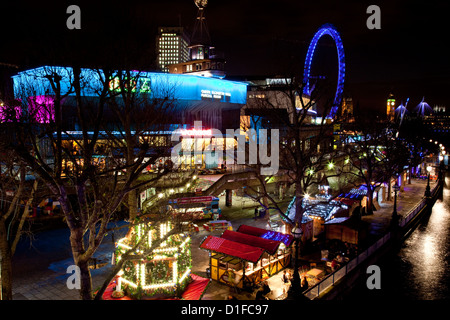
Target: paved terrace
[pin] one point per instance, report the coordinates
(40, 271)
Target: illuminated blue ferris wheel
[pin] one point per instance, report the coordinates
(326, 29)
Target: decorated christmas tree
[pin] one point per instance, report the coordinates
(161, 272)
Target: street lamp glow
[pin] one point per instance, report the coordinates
(160, 195)
(427, 189)
(330, 165)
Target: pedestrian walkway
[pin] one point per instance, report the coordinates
(381, 218)
(40, 272)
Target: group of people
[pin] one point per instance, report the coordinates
(263, 291)
(287, 278)
(337, 262)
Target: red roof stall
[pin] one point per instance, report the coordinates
(248, 256)
(232, 249)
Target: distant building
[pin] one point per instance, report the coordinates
(203, 62)
(439, 109)
(390, 108)
(203, 58)
(347, 109)
(172, 46)
(439, 124)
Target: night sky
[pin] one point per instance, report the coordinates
(409, 56)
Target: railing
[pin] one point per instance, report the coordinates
(332, 278)
(417, 208)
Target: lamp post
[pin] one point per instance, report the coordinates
(427, 189)
(394, 221)
(297, 233)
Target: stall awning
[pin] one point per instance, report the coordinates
(268, 245)
(266, 234)
(232, 248)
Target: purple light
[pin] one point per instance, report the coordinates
(42, 109)
(423, 107)
(8, 113)
(272, 235)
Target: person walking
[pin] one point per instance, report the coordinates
(256, 213)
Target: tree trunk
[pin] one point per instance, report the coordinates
(369, 201)
(298, 203)
(82, 261)
(389, 190)
(5, 264)
(132, 205)
(266, 206)
(85, 280)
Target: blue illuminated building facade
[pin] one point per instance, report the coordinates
(215, 102)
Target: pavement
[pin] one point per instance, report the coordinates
(40, 266)
(411, 195)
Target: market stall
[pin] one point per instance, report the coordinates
(320, 212)
(195, 208)
(164, 272)
(243, 259)
(347, 229)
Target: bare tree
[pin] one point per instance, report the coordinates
(134, 112)
(304, 145)
(14, 211)
(373, 156)
(88, 183)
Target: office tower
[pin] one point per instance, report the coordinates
(172, 47)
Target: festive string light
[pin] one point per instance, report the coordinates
(163, 263)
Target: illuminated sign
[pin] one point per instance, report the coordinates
(142, 83)
(195, 132)
(214, 94)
